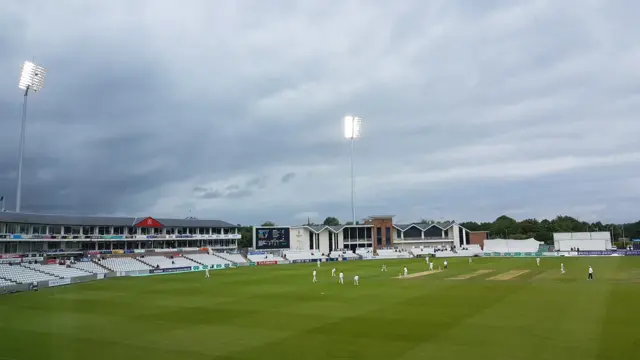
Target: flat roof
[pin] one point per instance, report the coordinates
(82, 220)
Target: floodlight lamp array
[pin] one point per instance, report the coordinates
(352, 127)
(31, 76)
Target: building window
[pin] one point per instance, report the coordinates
(379, 236)
(23, 229)
(55, 230)
(39, 230)
(387, 233)
(118, 230)
(133, 231)
(104, 230)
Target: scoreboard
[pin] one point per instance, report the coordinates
(271, 238)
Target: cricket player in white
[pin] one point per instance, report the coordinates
(446, 264)
(333, 272)
(406, 272)
(470, 261)
(590, 277)
(355, 280)
(206, 273)
(427, 259)
(318, 262)
(384, 267)
(431, 266)
(314, 277)
(562, 268)
(341, 278)
(538, 261)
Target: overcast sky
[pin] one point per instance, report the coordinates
(471, 109)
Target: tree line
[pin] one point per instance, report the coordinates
(506, 227)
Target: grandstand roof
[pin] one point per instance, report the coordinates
(424, 226)
(334, 228)
(79, 220)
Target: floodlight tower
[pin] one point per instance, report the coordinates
(31, 78)
(352, 126)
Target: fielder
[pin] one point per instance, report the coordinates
(333, 272)
(206, 273)
(562, 268)
(446, 264)
(314, 277)
(590, 276)
(318, 262)
(355, 280)
(426, 259)
(431, 266)
(470, 260)
(384, 267)
(538, 261)
(406, 272)
(341, 278)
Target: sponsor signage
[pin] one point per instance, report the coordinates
(251, 263)
(58, 282)
(219, 266)
(267, 262)
(170, 270)
(100, 276)
(610, 253)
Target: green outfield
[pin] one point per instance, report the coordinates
(509, 309)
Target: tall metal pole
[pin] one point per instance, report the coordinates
(353, 186)
(20, 156)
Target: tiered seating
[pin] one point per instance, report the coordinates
(91, 267)
(264, 257)
(164, 262)
(124, 264)
(303, 255)
(585, 241)
(207, 259)
(235, 258)
(475, 248)
(23, 275)
(347, 254)
(392, 254)
(422, 251)
(5, 283)
(57, 270)
(366, 253)
(511, 246)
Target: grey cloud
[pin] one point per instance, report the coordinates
(288, 177)
(122, 126)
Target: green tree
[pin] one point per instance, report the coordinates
(331, 221)
(268, 223)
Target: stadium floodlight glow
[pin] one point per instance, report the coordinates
(352, 127)
(31, 78)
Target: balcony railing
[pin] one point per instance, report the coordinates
(425, 239)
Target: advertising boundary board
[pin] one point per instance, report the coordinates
(170, 270)
(58, 282)
(267, 262)
(610, 253)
